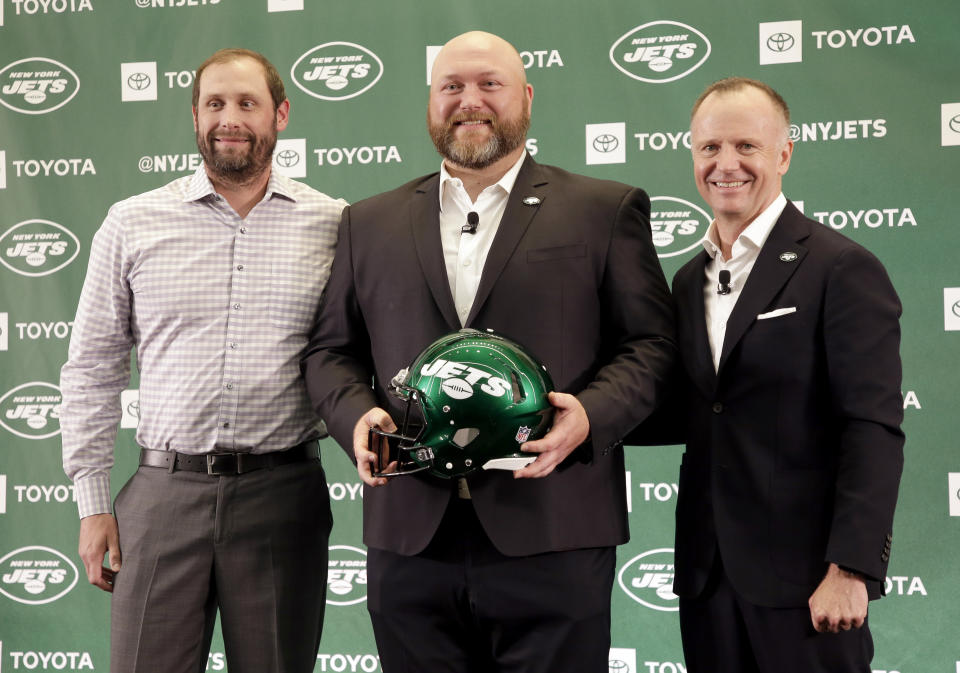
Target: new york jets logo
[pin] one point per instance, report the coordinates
(337, 70)
(36, 575)
(37, 247)
(458, 379)
(660, 51)
(678, 225)
(31, 410)
(346, 575)
(648, 579)
(35, 86)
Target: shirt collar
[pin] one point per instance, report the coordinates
(200, 186)
(756, 233)
(505, 183)
(280, 185)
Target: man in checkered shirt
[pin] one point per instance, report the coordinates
(214, 279)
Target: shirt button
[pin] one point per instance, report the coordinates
(243, 230)
(233, 344)
(717, 408)
(239, 267)
(229, 386)
(236, 307)
(226, 424)
(466, 262)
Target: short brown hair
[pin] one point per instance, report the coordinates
(731, 84)
(274, 83)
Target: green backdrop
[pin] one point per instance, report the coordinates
(94, 107)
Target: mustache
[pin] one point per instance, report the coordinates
(213, 135)
(471, 117)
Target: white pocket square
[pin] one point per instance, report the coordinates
(777, 313)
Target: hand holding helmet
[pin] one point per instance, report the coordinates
(471, 399)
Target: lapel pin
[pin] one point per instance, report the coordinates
(788, 257)
(531, 201)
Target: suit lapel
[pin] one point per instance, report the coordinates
(513, 225)
(425, 225)
(700, 365)
(779, 258)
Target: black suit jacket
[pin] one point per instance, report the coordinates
(574, 277)
(794, 448)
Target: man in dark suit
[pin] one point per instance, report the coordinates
(505, 571)
(789, 337)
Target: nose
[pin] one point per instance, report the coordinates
(727, 158)
(470, 98)
(229, 116)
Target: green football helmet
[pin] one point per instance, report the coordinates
(471, 399)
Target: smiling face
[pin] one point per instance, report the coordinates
(235, 120)
(479, 108)
(741, 150)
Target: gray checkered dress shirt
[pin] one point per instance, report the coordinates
(219, 310)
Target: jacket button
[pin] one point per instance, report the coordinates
(717, 407)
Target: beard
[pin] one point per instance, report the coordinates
(505, 137)
(241, 165)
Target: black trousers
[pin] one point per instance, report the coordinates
(724, 633)
(463, 607)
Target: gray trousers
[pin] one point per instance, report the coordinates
(253, 546)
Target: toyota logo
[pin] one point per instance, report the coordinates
(954, 124)
(287, 158)
(138, 81)
(780, 42)
(605, 142)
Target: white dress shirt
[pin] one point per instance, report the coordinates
(743, 255)
(464, 253)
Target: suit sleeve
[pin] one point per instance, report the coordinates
(637, 328)
(337, 365)
(862, 343)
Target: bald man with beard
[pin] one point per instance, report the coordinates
(501, 570)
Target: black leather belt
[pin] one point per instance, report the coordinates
(223, 464)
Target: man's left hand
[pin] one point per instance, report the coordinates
(840, 602)
(570, 428)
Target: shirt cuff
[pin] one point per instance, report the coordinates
(93, 495)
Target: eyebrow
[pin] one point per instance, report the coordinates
(242, 94)
(493, 74)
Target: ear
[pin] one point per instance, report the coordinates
(195, 125)
(283, 115)
(783, 162)
(529, 98)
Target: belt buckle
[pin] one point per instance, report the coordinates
(212, 469)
